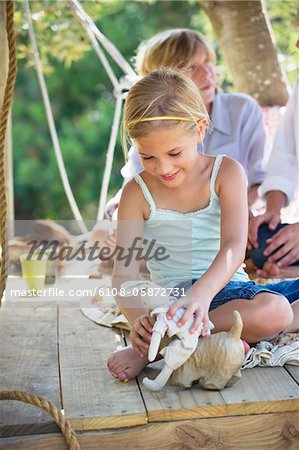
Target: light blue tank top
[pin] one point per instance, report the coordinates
(191, 240)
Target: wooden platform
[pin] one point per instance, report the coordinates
(60, 354)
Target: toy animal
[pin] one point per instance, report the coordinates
(217, 360)
(213, 361)
(182, 344)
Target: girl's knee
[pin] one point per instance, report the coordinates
(274, 313)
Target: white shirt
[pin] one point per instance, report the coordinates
(237, 131)
(283, 167)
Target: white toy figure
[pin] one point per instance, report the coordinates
(177, 352)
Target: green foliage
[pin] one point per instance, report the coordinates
(82, 96)
(284, 16)
(60, 35)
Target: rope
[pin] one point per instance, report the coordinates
(51, 123)
(111, 49)
(93, 32)
(10, 82)
(96, 47)
(48, 407)
(109, 157)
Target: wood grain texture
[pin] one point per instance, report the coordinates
(175, 403)
(92, 398)
(263, 390)
(294, 372)
(260, 432)
(259, 391)
(29, 362)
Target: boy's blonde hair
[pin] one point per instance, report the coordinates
(165, 93)
(172, 48)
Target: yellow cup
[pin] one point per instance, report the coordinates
(34, 271)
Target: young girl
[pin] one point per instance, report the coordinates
(237, 119)
(184, 198)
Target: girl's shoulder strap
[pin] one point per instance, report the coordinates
(147, 195)
(215, 171)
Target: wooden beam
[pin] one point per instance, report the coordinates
(262, 432)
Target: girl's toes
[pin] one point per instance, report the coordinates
(112, 369)
(109, 362)
(114, 375)
(123, 376)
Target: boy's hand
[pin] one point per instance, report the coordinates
(285, 244)
(270, 217)
(140, 334)
(193, 306)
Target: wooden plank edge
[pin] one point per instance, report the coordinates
(279, 431)
(108, 422)
(226, 410)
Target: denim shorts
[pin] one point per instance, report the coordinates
(245, 290)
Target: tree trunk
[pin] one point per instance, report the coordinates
(8, 141)
(246, 39)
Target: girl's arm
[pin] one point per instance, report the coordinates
(130, 226)
(231, 187)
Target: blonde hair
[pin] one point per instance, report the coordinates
(162, 94)
(172, 48)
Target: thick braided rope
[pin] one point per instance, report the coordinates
(11, 77)
(48, 407)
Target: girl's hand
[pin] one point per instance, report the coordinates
(140, 334)
(194, 306)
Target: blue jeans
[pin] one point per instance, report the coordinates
(257, 254)
(245, 290)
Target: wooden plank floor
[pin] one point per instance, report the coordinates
(29, 362)
(92, 398)
(259, 391)
(60, 354)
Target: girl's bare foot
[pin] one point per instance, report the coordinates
(126, 364)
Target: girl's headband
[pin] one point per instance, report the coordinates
(150, 119)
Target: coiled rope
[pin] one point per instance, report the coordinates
(48, 407)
